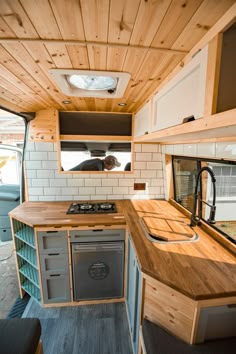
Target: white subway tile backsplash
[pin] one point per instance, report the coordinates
(48, 198)
(143, 156)
(52, 191)
(98, 175)
(40, 182)
(98, 197)
(81, 197)
(103, 190)
(27, 156)
(116, 197)
(30, 146)
(45, 181)
(52, 156)
(155, 165)
(206, 150)
(137, 147)
(63, 197)
(178, 149)
(156, 156)
(110, 182)
(49, 165)
(33, 165)
(190, 149)
(43, 146)
(120, 190)
(38, 156)
(33, 198)
(92, 182)
(157, 182)
(150, 147)
(45, 174)
(226, 150)
(31, 173)
(75, 182)
(169, 149)
(69, 191)
(126, 182)
(35, 191)
(140, 165)
(87, 190)
(58, 182)
(148, 174)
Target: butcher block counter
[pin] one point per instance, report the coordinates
(203, 269)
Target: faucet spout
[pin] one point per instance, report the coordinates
(195, 219)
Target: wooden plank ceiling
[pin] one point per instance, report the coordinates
(146, 38)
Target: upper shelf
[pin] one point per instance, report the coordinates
(220, 125)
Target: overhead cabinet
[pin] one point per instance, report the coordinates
(183, 96)
(142, 120)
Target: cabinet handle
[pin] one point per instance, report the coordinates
(55, 275)
(53, 254)
(97, 230)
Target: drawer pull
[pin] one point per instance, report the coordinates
(53, 254)
(55, 275)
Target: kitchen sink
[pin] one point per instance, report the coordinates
(167, 230)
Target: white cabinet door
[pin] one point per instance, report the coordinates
(183, 96)
(142, 120)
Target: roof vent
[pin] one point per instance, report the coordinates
(88, 83)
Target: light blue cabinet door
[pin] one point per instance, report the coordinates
(133, 295)
(131, 285)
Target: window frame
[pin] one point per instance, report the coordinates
(199, 161)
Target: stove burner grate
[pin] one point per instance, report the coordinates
(91, 208)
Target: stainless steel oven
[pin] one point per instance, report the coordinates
(97, 263)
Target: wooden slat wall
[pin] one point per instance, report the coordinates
(169, 24)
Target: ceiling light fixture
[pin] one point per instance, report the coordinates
(66, 102)
(122, 104)
(90, 83)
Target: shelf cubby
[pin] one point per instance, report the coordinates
(30, 273)
(28, 254)
(31, 289)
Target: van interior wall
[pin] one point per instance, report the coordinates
(45, 183)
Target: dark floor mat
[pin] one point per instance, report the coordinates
(18, 307)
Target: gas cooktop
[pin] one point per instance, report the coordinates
(92, 208)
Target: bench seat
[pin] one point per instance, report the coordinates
(20, 336)
(157, 341)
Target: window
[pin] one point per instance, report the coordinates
(185, 171)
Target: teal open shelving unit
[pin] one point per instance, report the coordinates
(27, 259)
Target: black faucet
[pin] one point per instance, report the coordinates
(195, 219)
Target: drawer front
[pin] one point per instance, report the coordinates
(56, 262)
(56, 288)
(52, 242)
(5, 222)
(97, 235)
(5, 234)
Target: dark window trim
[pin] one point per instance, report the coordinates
(199, 160)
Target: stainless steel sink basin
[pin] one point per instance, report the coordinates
(160, 239)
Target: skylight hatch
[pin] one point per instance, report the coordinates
(88, 83)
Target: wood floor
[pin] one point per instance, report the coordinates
(92, 329)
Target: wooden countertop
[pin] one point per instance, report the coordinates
(200, 270)
(40, 214)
